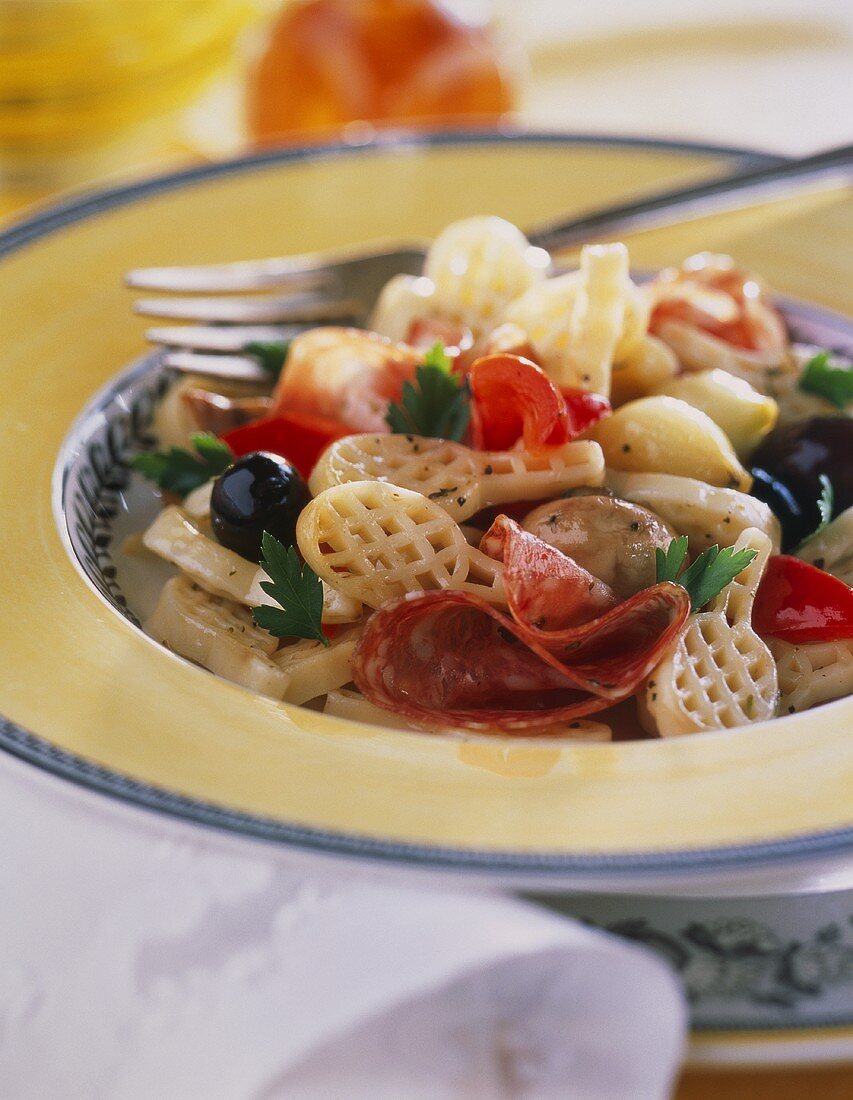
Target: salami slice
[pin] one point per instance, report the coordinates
(545, 588)
(450, 659)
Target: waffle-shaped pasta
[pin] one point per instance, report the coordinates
(222, 572)
(580, 322)
(478, 265)
(704, 513)
(816, 672)
(832, 549)
(218, 634)
(462, 481)
(374, 541)
(720, 674)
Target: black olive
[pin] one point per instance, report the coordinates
(260, 492)
(797, 454)
(796, 523)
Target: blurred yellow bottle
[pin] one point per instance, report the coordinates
(85, 84)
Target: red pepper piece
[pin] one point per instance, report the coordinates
(799, 603)
(299, 437)
(513, 399)
(584, 409)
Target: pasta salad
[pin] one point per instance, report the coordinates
(520, 503)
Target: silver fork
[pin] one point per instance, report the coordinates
(321, 288)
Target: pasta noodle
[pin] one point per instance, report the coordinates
(462, 481)
(813, 673)
(377, 541)
(720, 674)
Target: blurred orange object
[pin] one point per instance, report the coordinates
(330, 62)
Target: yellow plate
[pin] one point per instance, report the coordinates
(86, 695)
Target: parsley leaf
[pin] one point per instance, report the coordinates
(179, 471)
(833, 383)
(825, 503)
(707, 576)
(437, 405)
(297, 589)
(271, 354)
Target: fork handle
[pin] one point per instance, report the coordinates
(694, 201)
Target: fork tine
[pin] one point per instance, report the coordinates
(222, 278)
(236, 368)
(220, 337)
(251, 310)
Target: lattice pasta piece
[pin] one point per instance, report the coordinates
(313, 669)
(720, 673)
(704, 513)
(222, 572)
(374, 541)
(478, 265)
(462, 481)
(832, 549)
(218, 634)
(814, 673)
(581, 322)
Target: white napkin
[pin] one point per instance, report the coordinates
(143, 959)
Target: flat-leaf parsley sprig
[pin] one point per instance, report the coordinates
(437, 404)
(179, 471)
(834, 383)
(707, 576)
(297, 590)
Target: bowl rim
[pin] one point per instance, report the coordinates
(38, 751)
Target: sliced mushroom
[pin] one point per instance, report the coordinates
(214, 412)
(614, 540)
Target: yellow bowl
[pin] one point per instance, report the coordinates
(86, 695)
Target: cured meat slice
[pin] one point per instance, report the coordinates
(450, 659)
(545, 588)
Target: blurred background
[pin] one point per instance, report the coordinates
(98, 90)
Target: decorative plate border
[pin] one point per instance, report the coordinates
(40, 752)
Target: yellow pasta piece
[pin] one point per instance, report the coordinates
(744, 414)
(579, 323)
(832, 549)
(650, 364)
(403, 300)
(374, 541)
(698, 350)
(218, 634)
(720, 673)
(813, 673)
(478, 266)
(222, 572)
(706, 514)
(313, 669)
(462, 481)
(665, 435)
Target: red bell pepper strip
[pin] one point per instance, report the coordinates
(299, 437)
(584, 409)
(512, 398)
(799, 603)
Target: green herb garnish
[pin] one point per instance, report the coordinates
(436, 405)
(179, 471)
(296, 589)
(825, 503)
(835, 384)
(270, 354)
(707, 576)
